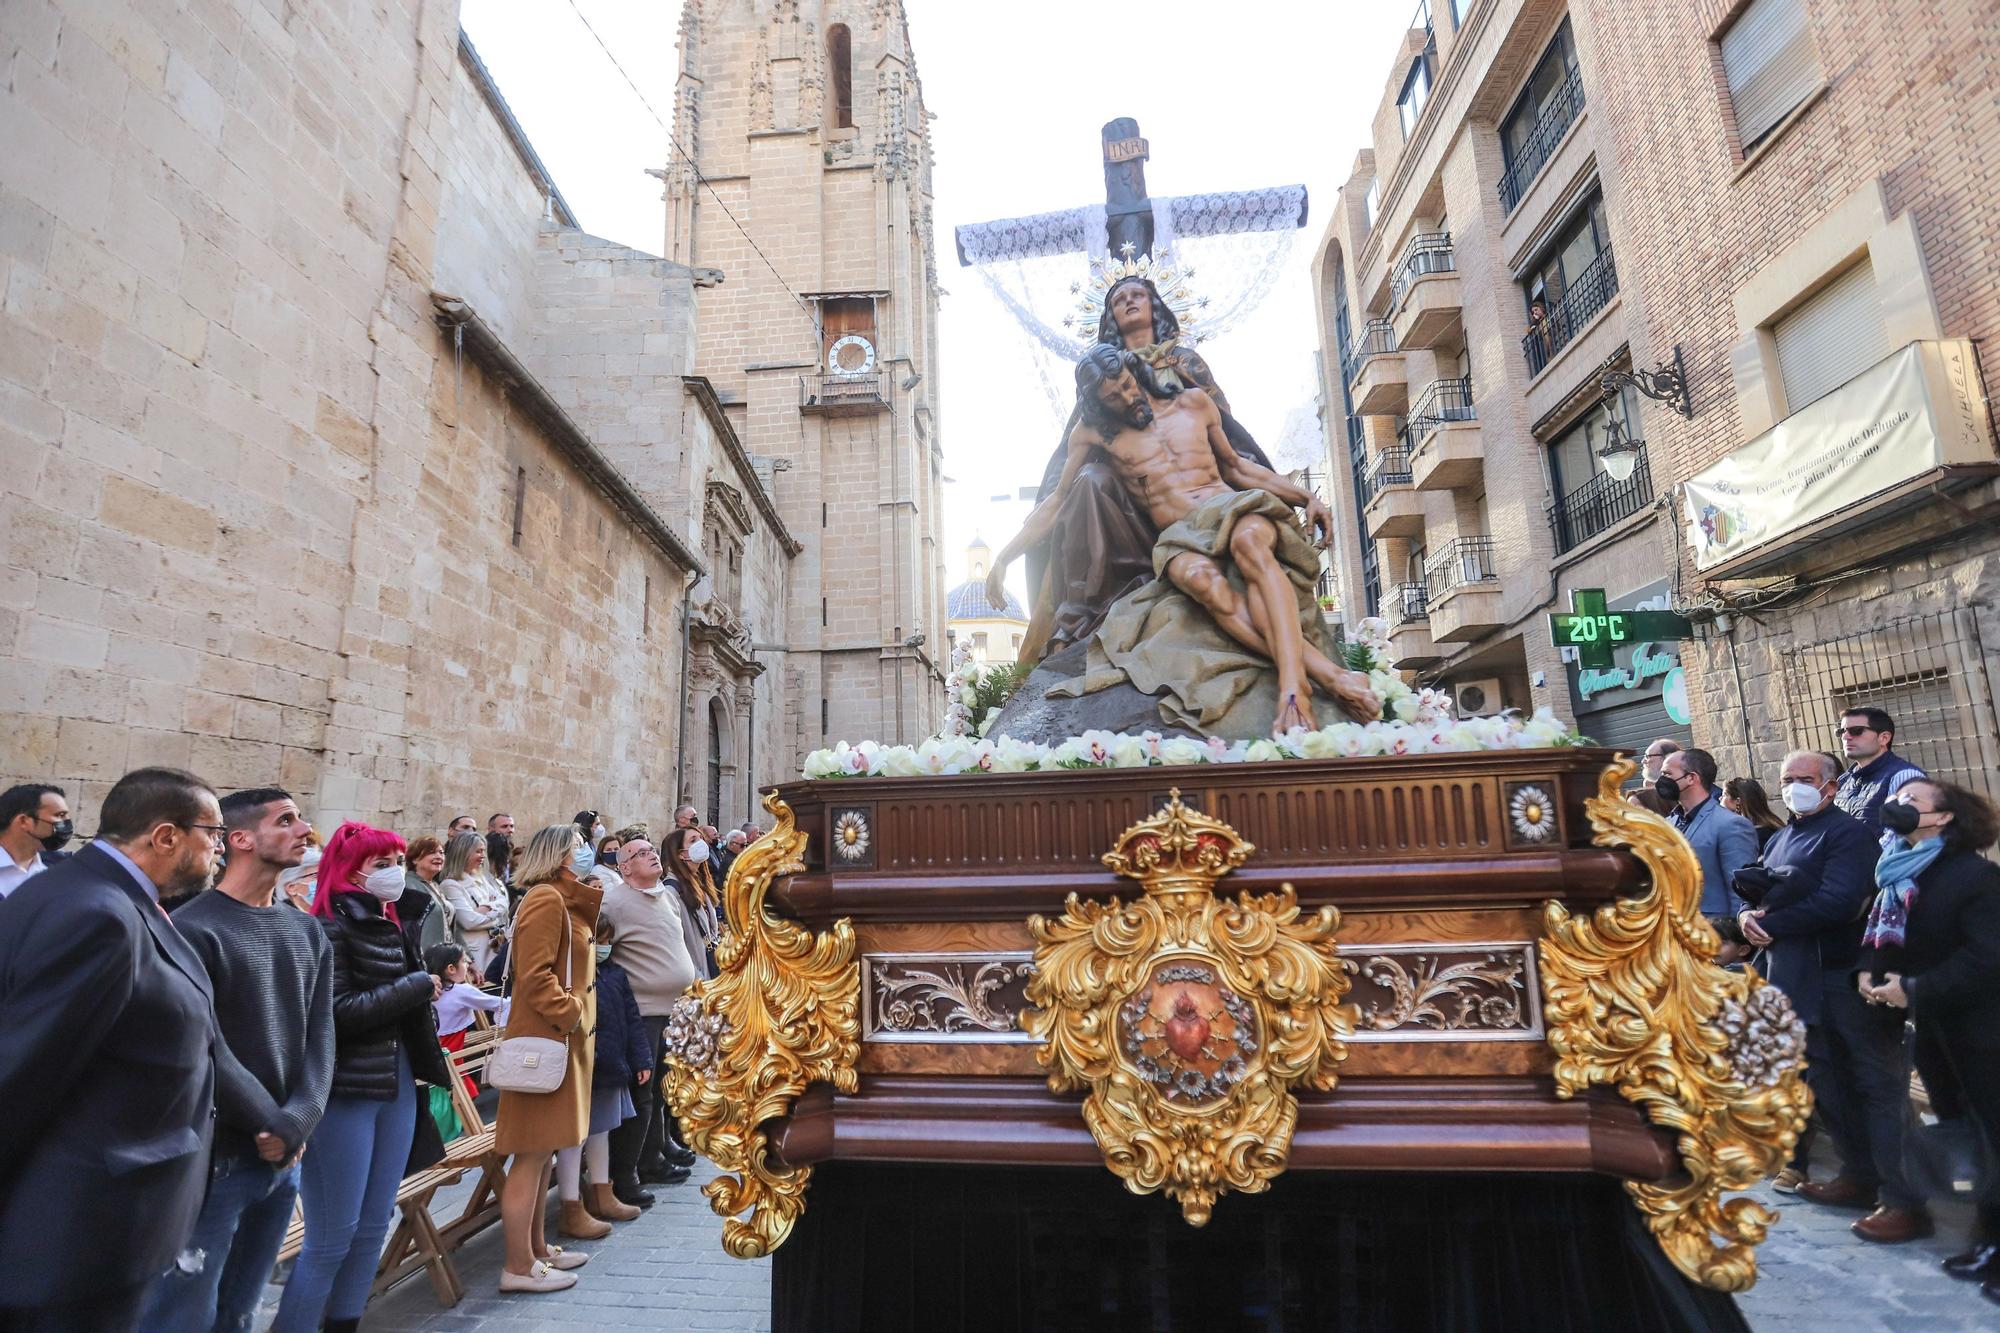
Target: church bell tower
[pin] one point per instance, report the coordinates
(803, 174)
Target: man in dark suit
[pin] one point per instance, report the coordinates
(1811, 920)
(107, 1074)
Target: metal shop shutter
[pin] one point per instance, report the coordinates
(1830, 339)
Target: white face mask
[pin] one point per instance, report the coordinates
(385, 884)
(597, 832)
(698, 850)
(1801, 798)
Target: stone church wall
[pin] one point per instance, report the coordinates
(260, 512)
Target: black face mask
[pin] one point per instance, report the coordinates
(60, 834)
(1667, 790)
(1900, 819)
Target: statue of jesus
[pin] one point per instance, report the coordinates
(1232, 570)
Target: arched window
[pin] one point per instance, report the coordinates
(840, 60)
(718, 727)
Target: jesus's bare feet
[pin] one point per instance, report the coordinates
(1351, 690)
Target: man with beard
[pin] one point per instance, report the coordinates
(1103, 542)
(1229, 546)
(272, 972)
(107, 1073)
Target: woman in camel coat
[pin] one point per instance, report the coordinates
(554, 926)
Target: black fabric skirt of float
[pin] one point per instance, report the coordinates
(944, 1249)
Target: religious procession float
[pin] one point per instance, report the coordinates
(1215, 978)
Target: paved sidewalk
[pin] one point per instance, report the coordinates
(667, 1271)
(1814, 1275)
(664, 1270)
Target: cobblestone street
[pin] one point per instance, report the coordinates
(666, 1271)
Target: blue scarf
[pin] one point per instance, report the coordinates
(1896, 884)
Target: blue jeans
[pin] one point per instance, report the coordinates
(221, 1274)
(349, 1178)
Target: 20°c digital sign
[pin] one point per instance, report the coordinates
(1596, 632)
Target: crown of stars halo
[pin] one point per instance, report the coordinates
(1167, 277)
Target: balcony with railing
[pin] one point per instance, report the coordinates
(1424, 295)
(1590, 293)
(1600, 503)
(1410, 643)
(1542, 140)
(1462, 590)
(844, 395)
(1394, 508)
(1446, 451)
(1378, 383)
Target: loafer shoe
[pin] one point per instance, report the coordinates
(564, 1260)
(1980, 1263)
(1839, 1192)
(634, 1194)
(1893, 1226)
(539, 1277)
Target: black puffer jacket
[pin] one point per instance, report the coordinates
(381, 1000)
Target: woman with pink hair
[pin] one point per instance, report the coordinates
(385, 1038)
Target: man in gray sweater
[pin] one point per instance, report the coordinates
(270, 967)
(656, 946)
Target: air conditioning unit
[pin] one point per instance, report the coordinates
(1477, 698)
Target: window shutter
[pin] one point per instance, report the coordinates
(1770, 64)
(1830, 339)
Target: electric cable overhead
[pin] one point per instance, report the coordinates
(695, 167)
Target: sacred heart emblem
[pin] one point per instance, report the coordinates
(1187, 1033)
(1187, 1018)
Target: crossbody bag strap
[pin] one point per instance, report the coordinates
(569, 954)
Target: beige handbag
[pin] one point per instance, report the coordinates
(532, 1064)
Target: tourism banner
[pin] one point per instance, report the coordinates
(1914, 411)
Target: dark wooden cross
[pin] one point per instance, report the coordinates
(1128, 212)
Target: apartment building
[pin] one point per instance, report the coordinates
(1738, 212)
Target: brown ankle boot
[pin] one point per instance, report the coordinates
(604, 1206)
(578, 1223)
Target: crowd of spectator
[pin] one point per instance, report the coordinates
(1872, 905)
(215, 1022)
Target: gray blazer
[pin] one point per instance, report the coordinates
(1724, 842)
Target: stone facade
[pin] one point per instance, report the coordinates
(338, 456)
(819, 171)
(1534, 110)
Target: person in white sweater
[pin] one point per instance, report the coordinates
(657, 946)
(476, 902)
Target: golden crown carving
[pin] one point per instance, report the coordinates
(1169, 279)
(1189, 1017)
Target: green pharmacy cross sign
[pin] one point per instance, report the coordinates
(1596, 633)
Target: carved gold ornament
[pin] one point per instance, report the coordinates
(782, 1012)
(1634, 999)
(1189, 1017)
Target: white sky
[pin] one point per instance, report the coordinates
(1231, 96)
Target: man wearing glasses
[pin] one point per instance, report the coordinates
(107, 1075)
(1875, 772)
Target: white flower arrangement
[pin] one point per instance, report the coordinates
(1413, 722)
(1106, 749)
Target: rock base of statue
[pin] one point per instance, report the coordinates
(1032, 715)
(893, 1246)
